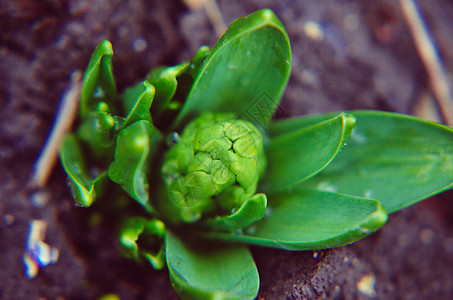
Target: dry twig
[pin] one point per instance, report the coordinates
(63, 122)
(213, 12)
(430, 58)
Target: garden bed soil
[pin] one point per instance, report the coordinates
(363, 57)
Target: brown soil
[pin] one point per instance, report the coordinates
(366, 60)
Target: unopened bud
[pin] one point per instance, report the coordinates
(215, 165)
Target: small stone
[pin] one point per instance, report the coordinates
(310, 77)
(139, 44)
(366, 285)
(314, 30)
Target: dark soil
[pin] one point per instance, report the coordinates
(366, 60)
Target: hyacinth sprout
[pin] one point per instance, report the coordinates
(193, 167)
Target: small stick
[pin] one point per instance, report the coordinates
(430, 58)
(213, 12)
(64, 119)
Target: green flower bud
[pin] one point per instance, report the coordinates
(214, 166)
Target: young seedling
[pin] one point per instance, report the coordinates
(196, 147)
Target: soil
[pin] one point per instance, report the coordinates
(365, 60)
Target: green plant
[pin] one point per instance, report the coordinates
(195, 146)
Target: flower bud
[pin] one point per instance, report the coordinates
(214, 166)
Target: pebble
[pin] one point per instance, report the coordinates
(366, 285)
(314, 30)
(139, 44)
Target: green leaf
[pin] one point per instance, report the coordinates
(138, 235)
(197, 60)
(84, 188)
(310, 220)
(298, 155)
(97, 130)
(130, 96)
(245, 73)
(297, 123)
(140, 110)
(172, 86)
(135, 147)
(164, 79)
(394, 158)
(250, 211)
(211, 270)
(98, 74)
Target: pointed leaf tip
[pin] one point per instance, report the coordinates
(394, 158)
(303, 150)
(246, 71)
(136, 231)
(98, 73)
(311, 220)
(84, 188)
(141, 108)
(252, 210)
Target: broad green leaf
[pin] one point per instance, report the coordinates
(140, 110)
(137, 237)
(396, 159)
(298, 155)
(135, 147)
(98, 74)
(210, 270)
(251, 211)
(310, 220)
(84, 188)
(245, 73)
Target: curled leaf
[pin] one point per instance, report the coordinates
(252, 210)
(135, 147)
(165, 81)
(172, 85)
(98, 74)
(98, 131)
(84, 188)
(142, 105)
(143, 239)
